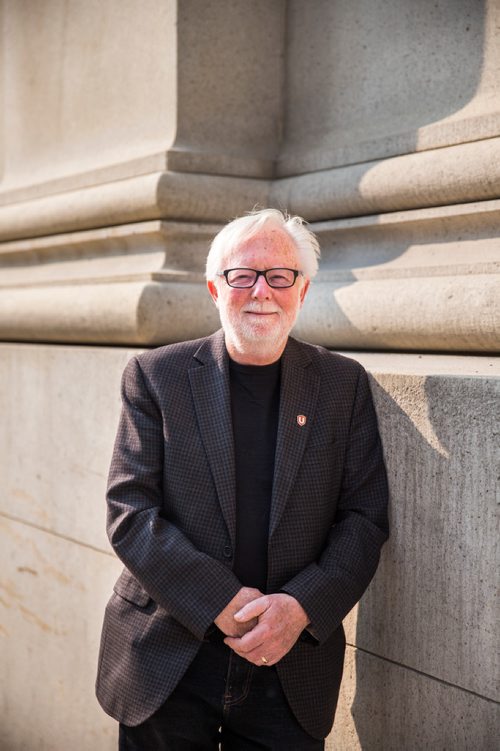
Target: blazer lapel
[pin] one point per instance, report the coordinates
(210, 388)
(298, 398)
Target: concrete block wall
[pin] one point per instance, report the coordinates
(422, 641)
(130, 132)
(59, 414)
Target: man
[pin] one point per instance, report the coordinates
(247, 499)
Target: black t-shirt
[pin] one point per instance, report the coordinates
(255, 408)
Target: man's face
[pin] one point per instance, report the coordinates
(257, 321)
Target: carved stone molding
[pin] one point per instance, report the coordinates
(415, 280)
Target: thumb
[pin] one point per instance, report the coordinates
(252, 609)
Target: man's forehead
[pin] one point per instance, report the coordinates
(272, 242)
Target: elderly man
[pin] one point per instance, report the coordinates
(247, 499)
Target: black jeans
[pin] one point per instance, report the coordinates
(222, 699)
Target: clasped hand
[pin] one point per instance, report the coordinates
(260, 625)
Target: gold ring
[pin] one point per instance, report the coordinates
(264, 660)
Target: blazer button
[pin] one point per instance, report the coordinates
(227, 551)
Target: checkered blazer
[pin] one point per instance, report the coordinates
(171, 520)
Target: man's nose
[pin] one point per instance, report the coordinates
(261, 289)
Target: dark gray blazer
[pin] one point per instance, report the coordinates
(171, 520)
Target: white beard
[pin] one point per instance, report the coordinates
(248, 338)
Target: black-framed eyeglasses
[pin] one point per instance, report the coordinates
(245, 278)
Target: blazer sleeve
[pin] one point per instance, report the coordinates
(190, 585)
(328, 588)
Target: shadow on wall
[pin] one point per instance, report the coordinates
(371, 292)
(424, 631)
(428, 611)
(415, 65)
(363, 78)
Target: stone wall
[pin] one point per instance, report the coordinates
(130, 132)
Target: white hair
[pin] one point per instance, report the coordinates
(244, 228)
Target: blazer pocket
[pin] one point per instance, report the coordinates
(129, 588)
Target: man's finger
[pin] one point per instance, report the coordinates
(252, 609)
(251, 640)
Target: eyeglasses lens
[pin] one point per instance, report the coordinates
(274, 277)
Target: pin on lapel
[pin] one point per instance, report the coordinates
(301, 420)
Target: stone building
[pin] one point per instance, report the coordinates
(130, 130)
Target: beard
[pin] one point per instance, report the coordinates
(249, 335)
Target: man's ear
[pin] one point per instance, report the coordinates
(303, 291)
(214, 292)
